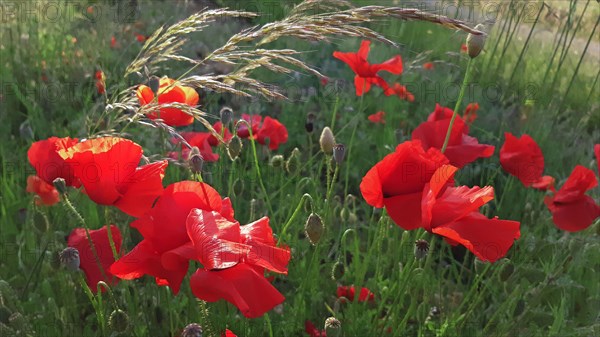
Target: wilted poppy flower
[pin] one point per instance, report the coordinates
(349, 293)
(400, 91)
(462, 148)
(169, 92)
(523, 158)
(166, 248)
(47, 193)
(397, 182)
(428, 65)
(378, 117)
(366, 73)
(226, 134)
(100, 82)
(312, 330)
(254, 121)
(471, 113)
(571, 209)
(453, 212)
(49, 165)
(89, 264)
(108, 169)
(274, 131)
(234, 260)
(201, 140)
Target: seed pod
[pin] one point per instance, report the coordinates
(327, 141)
(314, 228)
(60, 185)
(234, 147)
(339, 151)
(154, 84)
(421, 249)
(310, 122)
(475, 43)
(69, 257)
(292, 165)
(226, 115)
(118, 321)
(192, 330)
(195, 160)
(333, 327)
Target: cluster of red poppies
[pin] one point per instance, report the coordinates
(186, 221)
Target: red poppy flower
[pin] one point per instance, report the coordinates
(471, 113)
(462, 148)
(201, 140)
(324, 80)
(100, 84)
(312, 330)
(463, 48)
(378, 117)
(397, 182)
(597, 152)
(349, 293)
(166, 248)
(140, 38)
(107, 168)
(366, 73)
(213, 141)
(113, 42)
(169, 92)
(274, 131)
(228, 333)
(428, 65)
(400, 91)
(571, 209)
(523, 158)
(453, 212)
(49, 165)
(48, 195)
(254, 121)
(234, 261)
(88, 263)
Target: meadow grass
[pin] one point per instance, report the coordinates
(546, 286)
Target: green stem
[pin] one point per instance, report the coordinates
(295, 214)
(95, 304)
(458, 101)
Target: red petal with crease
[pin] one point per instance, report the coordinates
(522, 158)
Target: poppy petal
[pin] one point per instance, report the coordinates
(47, 193)
(142, 189)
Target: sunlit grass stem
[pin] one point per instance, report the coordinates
(463, 88)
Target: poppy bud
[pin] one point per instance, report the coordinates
(234, 147)
(192, 330)
(293, 163)
(352, 219)
(421, 249)
(69, 257)
(337, 271)
(226, 115)
(344, 214)
(475, 42)
(60, 184)
(310, 122)
(333, 327)
(118, 321)
(327, 141)
(195, 160)
(154, 84)
(277, 161)
(339, 150)
(314, 228)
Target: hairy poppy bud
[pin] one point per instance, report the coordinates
(192, 330)
(118, 321)
(69, 257)
(421, 249)
(226, 115)
(310, 122)
(339, 151)
(337, 271)
(292, 165)
(314, 228)
(195, 160)
(333, 327)
(277, 161)
(154, 84)
(60, 184)
(234, 147)
(475, 42)
(327, 141)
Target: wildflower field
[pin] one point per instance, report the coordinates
(299, 168)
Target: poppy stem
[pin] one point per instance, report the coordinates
(458, 101)
(295, 214)
(257, 166)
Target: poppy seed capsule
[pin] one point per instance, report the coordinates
(234, 147)
(310, 122)
(154, 84)
(118, 321)
(333, 327)
(327, 141)
(475, 42)
(421, 249)
(314, 228)
(60, 184)
(192, 330)
(69, 257)
(339, 151)
(226, 115)
(292, 165)
(195, 160)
